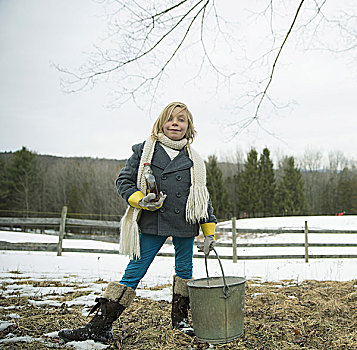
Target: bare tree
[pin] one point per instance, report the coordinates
(148, 40)
(312, 160)
(337, 161)
(311, 164)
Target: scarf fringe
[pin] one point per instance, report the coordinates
(129, 243)
(196, 206)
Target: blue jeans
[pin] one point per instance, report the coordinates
(149, 247)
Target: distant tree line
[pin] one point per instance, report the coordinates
(32, 184)
(253, 188)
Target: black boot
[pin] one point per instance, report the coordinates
(108, 309)
(180, 306)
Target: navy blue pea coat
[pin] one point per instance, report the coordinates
(173, 178)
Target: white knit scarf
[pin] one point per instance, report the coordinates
(197, 201)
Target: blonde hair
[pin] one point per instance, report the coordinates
(164, 117)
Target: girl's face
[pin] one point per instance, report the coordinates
(175, 128)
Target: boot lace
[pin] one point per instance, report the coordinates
(101, 305)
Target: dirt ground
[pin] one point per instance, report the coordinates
(284, 315)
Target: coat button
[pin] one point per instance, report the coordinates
(178, 177)
(178, 194)
(162, 210)
(163, 177)
(177, 210)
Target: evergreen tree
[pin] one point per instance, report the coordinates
(22, 179)
(347, 191)
(267, 184)
(248, 191)
(353, 194)
(216, 188)
(233, 194)
(230, 188)
(291, 196)
(4, 186)
(328, 196)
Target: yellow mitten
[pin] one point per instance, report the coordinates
(139, 200)
(208, 230)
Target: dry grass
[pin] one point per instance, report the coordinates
(310, 315)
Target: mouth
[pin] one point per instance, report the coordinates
(175, 130)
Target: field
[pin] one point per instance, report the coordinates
(284, 315)
(289, 304)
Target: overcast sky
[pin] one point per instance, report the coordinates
(36, 113)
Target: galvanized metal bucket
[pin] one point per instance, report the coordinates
(217, 306)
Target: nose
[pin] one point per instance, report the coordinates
(174, 122)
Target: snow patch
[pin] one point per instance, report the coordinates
(11, 307)
(163, 294)
(85, 300)
(86, 345)
(5, 324)
(51, 335)
(45, 302)
(254, 295)
(24, 339)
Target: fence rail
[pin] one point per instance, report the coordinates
(53, 247)
(39, 222)
(253, 230)
(63, 223)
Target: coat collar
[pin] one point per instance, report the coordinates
(162, 160)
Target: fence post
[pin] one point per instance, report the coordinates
(306, 243)
(61, 230)
(234, 239)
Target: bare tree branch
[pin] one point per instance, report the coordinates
(275, 62)
(86, 79)
(146, 38)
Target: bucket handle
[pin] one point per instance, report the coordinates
(225, 287)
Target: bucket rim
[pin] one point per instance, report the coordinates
(191, 284)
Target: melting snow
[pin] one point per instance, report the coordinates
(5, 324)
(88, 269)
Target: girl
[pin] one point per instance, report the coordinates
(182, 207)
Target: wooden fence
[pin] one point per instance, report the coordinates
(86, 225)
(64, 222)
